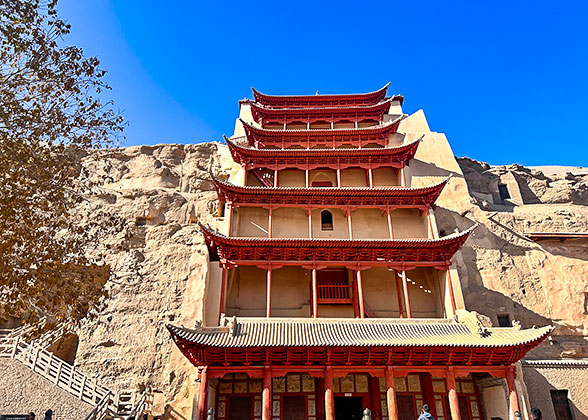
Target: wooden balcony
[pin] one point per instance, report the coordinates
(334, 294)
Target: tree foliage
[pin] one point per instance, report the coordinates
(51, 114)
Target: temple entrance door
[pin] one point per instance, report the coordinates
(464, 408)
(294, 407)
(406, 408)
(240, 408)
(348, 408)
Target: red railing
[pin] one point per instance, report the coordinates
(334, 293)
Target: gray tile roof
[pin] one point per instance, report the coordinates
(272, 332)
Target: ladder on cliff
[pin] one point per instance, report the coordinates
(107, 404)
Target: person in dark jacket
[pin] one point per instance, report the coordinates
(536, 414)
(425, 415)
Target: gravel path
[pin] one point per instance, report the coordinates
(22, 390)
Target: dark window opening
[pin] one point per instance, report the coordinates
(504, 320)
(561, 405)
(322, 184)
(326, 220)
(503, 191)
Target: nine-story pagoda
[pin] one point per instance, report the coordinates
(329, 288)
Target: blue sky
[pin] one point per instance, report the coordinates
(506, 81)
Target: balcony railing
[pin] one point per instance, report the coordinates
(334, 294)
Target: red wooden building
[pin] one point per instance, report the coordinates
(330, 287)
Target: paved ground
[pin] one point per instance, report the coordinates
(22, 390)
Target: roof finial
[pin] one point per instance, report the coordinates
(316, 94)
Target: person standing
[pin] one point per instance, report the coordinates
(536, 414)
(425, 415)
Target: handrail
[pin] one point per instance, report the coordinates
(52, 368)
(68, 378)
(101, 408)
(334, 293)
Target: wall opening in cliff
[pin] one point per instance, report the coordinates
(66, 348)
(504, 320)
(503, 191)
(561, 405)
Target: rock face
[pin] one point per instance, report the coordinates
(157, 262)
(158, 259)
(535, 283)
(540, 283)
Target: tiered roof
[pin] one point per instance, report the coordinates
(319, 342)
(385, 198)
(341, 158)
(307, 341)
(265, 115)
(402, 254)
(358, 137)
(285, 101)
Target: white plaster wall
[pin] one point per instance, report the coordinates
(408, 223)
(385, 177)
(369, 223)
(250, 222)
(289, 222)
(291, 178)
(495, 402)
(353, 178)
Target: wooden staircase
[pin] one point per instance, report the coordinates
(107, 404)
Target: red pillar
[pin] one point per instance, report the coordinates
(452, 394)
(426, 380)
(320, 398)
(375, 405)
(406, 299)
(360, 294)
(399, 294)
(266, 395)
(203, 394)
(391, 394)
(339, 177)
(450, 286)
(349, 226)
(314, 295)
(329, 399)
(370, 178)
(268, 304)
(512, 391)
(223, 291)
(230, 218)
(390, 230)
(269, 223)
